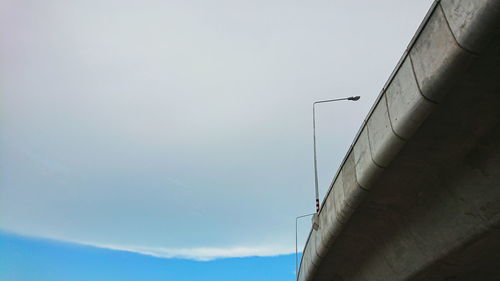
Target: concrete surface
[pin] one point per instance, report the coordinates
(417, 196)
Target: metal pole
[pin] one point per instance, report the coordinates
(296, 247)
(315, 160)
(316, 189)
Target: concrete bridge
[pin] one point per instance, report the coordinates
(417, 196)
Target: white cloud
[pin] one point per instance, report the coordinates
(198, 254)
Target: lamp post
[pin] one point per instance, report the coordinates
(354, 98)
(296, 247)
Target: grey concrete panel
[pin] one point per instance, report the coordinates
(353, 193)
(479, 261)
(339, 197)
(399, 253)
(473, 22)
(330, 225)
(327, 214)
(310, 258)
(328, 222)
(384, 143)
(369, 273)
(366, 170)
(326, 237)
(313, 255)
(321, 242)
(305, 265)
(437, 59)
(407, 107)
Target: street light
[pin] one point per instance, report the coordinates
(296, 247)
(355, 98)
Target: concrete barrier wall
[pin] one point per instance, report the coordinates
(451, 37)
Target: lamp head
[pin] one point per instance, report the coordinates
(355, 98)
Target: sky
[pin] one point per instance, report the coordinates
(182, 129)
(55, 261)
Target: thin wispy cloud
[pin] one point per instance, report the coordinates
(200, 254)
(197, 254)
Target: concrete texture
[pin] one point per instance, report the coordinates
(437, 58)
(417, 196)
(473, 23)
(407, 107)
(384, 143)
(366, 169)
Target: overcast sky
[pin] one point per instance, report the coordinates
(183, 128)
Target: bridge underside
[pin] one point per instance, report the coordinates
(433, 212)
